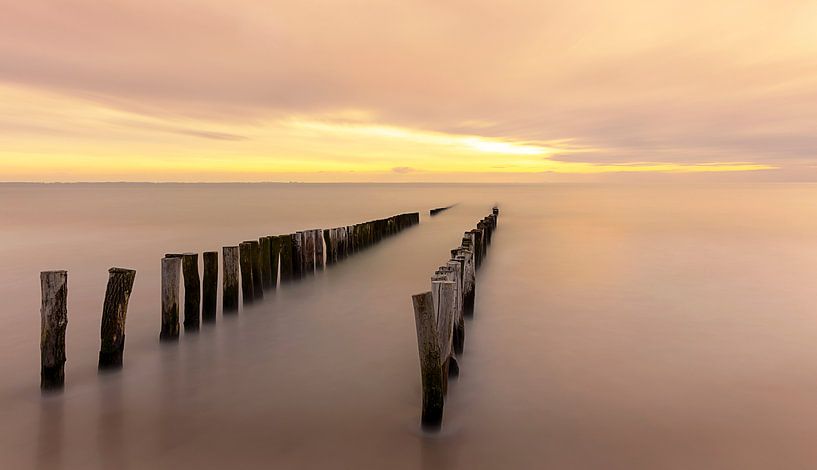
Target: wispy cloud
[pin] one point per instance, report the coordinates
(453, 87)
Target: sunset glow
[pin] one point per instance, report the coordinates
(411, 106)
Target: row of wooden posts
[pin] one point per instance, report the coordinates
(256, 263)
(440, 317)
(436, 211)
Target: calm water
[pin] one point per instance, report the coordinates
(616, 327)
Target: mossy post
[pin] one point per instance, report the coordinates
(274, 255)
(171, 272)
(286, 257)
(245, 262)
(209, 298)
(229, 295)
(53, 321)
(114, 313)
(257, 284)
(192, 291)
(264, 262)
(430, 363)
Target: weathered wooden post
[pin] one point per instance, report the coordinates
(264, 261)
(429, 349)
(309, 252)
(245, 262)
(257, 285)
(350, 243)
(444, 295)
(53, 322)
(229, 282)
(469, 276)
(192, 291)
(171, 270)
(476, 246)
(114, 312)
(275, 251)
(340, 243)
(318, 250)
(210, 287)
(456, 268)
(297, 255)
(327, 238)
(286, 257)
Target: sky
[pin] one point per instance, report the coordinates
(408, 90)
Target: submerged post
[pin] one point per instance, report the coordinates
(114, 312)
(171, 268)
(53, 321)
(192, 291)
(229, 296)
(210, 283)
(429, 349)
(245, 260)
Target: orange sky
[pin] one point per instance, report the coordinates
(408, 90)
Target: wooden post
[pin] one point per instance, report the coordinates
(453, 272)
(114, 312)
(340, 238)
(171, 270)
(229, 295)
(327, 238)
(192, 291)
(469, 276)
(210, 287)
(444, 294)
(274, 254)
(429, 349)
(476, 246)
(309, 252)
(245, 262)
(286, 257)
(257, 284)
(297, 255)
(350, 243)
(319, 250)
(53, 321)
(264, 262)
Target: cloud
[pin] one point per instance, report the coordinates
(668, 82)
(403, 169)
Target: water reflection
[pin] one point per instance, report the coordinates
(49, 448)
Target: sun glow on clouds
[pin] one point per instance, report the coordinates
(53, 137)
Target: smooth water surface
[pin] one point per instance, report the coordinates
(616, 327)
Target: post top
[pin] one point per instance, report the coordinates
(121, 270)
